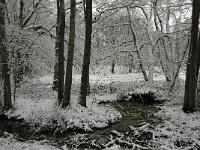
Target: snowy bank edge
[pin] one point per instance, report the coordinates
(45, 115)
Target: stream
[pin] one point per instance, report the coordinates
(134, 114)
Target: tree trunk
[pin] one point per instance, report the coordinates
(0, 67)
(68, 79)
(113, 47)
(56, 64)
(155, 14)
(192, 65)
(136, 46)
(176, 74)
(164, 62)
(198, 61)
(87, 53)
(168, 16)
(150, 50)
(113, 66)
(61, 51)
(21, 13)
(5, 59)
(18, 72)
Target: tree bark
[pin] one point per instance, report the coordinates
(61, 51)
(4, 59)
(87, 53)
(56, 63)
(192, 64)
(69, 68)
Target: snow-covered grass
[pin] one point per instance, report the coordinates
(10, 143)
(180, 130)
(45, 115)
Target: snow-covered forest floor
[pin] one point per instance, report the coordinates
(36, 104)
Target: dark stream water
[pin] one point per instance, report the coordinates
(134, 114)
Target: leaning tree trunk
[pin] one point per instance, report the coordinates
(87, 53)
(61, 51)
(136, 46)
(4, 59)
(192, 64)
(68, 79)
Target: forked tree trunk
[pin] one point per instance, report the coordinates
(87, 53)
(68, 79)
(176, 74)
(4, 59)
(192, 64)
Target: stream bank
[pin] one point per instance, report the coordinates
(135, 114)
